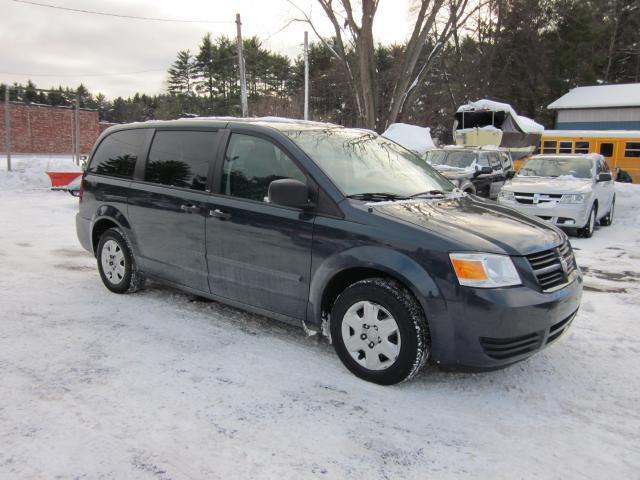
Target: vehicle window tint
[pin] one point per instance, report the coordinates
(606, 149)
(565, 147)
(251, 164)
(483, 160)
(495, 162)
(632, 149)
(582, 147)
(117, 154)
(549, 146)
(180, 159)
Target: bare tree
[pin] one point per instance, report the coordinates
(436, 21)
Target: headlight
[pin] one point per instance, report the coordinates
(572, 198)
(506, 196)
(484, 270)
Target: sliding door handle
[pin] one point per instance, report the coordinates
(217, 213)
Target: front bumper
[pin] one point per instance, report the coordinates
(493, 328)
(562, 215)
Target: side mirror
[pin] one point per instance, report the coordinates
(604, 177)
(510, 174)
(289, 193)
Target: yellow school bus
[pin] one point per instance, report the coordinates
(621, 148)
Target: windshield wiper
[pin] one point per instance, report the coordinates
(437, 193)
(376, 196)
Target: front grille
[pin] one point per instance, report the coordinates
(503, 348)
(536, 198)
(552, 268)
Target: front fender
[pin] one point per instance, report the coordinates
(392, 262)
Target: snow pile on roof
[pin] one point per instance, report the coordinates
(411, 137)
(526, 124)
(599, 96)
(28, 171)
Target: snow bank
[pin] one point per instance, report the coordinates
(526, 124)
(28, 171)
(411, 137)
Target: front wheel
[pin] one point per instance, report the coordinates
(116, 264)
(608, 218)
(379, 331)
(587, 230)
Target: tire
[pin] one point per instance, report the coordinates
(587, 230)
(369, 306)
(608, 218)
(116, 264)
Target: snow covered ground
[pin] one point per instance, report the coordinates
(164, 385)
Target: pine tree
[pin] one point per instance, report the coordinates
(182, 74)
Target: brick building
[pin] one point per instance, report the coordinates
(46, 129)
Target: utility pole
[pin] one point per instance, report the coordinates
(7, 126)
(77, 130)
(243, 78)
(306, 75)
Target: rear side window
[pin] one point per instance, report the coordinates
(549, 146)
(118, 153)
(565, 147)
(582, 147)
(180, 158)
(632, 149)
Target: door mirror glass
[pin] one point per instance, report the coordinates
(289, 192)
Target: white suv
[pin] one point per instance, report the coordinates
(570, 191)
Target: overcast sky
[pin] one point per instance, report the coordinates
(54, 47)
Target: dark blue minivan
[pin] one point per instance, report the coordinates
(337, 229)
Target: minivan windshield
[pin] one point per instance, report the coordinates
(556, 167)
(361, 163)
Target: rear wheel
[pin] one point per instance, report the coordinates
(379, 331)
(608, 218)
(116, 264)
(587, 230)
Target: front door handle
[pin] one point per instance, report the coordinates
(188, 208)
(217, 213)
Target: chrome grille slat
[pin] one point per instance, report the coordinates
(547, 266)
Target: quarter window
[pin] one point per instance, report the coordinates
(632, 149)
(565, 147)
(180, 158)
(117, 154)
(251, 164)
(549, 146)
(582, 147)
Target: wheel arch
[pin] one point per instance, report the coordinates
(107, 217)
(341, 270)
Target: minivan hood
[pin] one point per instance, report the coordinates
(565, 184)
(473, 224)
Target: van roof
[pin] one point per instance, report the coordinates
(276, 123)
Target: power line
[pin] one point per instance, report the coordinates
(107, 14)
(79, 74)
